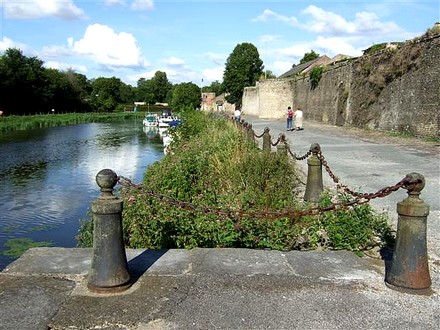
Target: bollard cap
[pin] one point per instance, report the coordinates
(315, 148)
(415, 187)
(106, 180)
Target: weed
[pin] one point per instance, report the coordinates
(17, 246)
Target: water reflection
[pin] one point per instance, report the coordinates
(47, 176)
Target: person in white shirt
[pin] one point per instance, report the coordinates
(298, 116)
(237, 114)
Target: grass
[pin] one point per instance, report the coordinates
(10, 123)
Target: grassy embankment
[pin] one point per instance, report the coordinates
(214, 167)
(11, 123)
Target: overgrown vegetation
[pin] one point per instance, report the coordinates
(11, 123)
(315, 76)
(215, 167)
(15, 247)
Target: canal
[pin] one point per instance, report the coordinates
(47, 177)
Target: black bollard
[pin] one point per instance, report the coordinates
(409, 270)
(267, 143)
(314, 186)
(109, 269)
(282, 145)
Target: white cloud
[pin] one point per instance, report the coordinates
(6, 43)
(329, 23)
(174, 62)
(268, 39)
(271, 15)
(114, 2)
(33, 9)
(142, 5)
(326, 22)
(295, 51)
(334, 46)
(108, 48)
(279, 67)
(210, 75)
(65, 66)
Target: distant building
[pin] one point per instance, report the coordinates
(306, 67)
(208, 102)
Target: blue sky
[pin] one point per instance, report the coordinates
(191, 40)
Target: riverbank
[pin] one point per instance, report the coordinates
(12, 123)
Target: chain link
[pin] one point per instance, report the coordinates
(291, 214)
(405, 183)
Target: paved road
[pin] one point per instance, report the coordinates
(367, 162)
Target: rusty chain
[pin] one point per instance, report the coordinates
(291, 214)
(276, 143)
(405, 183)
(293, 155)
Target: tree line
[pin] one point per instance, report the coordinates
(27, 87)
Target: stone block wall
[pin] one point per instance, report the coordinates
(394, 90)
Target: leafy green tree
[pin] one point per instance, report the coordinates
(243, 68)
(156, 89)
(309, 57)
(106, 94)
(161, 86)
(145, 91)
(80, 84)
(215, 87)
(22, 83)
(59, 93)
(185, 95)
(268, 74)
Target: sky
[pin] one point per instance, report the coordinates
(191, 40)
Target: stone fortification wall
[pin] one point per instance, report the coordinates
(251, 101)
(391, 90)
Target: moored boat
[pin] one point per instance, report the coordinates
(151, 120)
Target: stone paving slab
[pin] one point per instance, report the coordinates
(211, 289)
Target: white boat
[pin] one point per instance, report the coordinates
(167, 119)
(151, 120)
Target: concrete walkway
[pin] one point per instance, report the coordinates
(212, 289)
(367, 161)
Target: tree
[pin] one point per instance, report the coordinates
(185, 95)
(155, 89)
(309, 57)
(161, 86)
(106, 94)
(21, 83)
(243, 68)
(268, 74)
(215, 87)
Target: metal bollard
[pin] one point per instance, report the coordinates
(250, 133)
(267, 143)
(281, 146)
(409, 270)
(314, 186)
(109, 269)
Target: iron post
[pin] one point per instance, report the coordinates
(109, 269)
(409, 270)
(314, 186)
